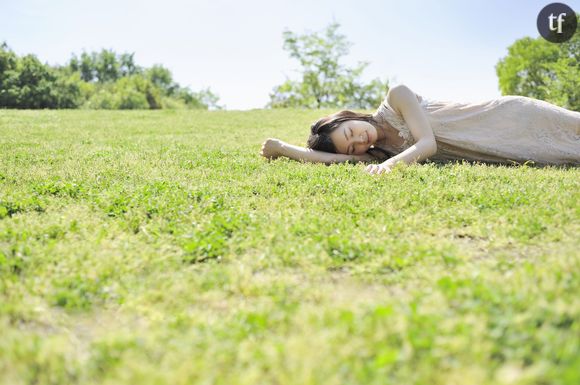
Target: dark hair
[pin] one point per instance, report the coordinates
(320, 131)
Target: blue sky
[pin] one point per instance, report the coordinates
(445, 49)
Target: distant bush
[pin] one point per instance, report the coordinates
(27, 83)
(131, 92)
(97, 80)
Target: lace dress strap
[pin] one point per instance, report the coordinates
(386, 113)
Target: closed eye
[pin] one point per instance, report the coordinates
(352, 147)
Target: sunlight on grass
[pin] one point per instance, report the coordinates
(159, 248)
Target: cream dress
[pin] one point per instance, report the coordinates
(502, 130)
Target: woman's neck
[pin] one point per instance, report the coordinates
(382, 133)
(388, 134)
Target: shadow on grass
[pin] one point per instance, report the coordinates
(514, 164)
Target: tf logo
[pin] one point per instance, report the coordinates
(557, 22)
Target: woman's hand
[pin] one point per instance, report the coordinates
(378, 168)
(271, 148)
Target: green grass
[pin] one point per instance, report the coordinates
(159, 248)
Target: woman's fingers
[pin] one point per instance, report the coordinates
(371, 168)
(269, 149)
(377, 169)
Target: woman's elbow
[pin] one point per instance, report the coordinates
(433, 148)
(429, 147)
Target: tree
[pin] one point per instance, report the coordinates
(105, 66)
(325, 82)
(162, 78)
(27, 83)
(542, 70)
(96, 80)
(203, 99)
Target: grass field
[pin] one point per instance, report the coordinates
(159, 248)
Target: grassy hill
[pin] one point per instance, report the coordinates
(158, 248)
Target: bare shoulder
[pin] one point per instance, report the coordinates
(400, 96)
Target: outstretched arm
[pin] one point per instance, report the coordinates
(273, 148)
(309, 155)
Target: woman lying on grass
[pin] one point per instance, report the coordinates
(409, 128)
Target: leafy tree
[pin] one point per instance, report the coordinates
(127, 66)
(27, 83)
(201, 99)
(127, 93)
(104, 66)
(8, 77)
(542, 70)
(68, 89)
(84, 66)
(325, 82)
(96, 80)
(161, 77)
(8, 60)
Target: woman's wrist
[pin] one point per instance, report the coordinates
(391, 163)
(388, 163)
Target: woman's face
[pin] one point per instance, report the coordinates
(354, 137)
